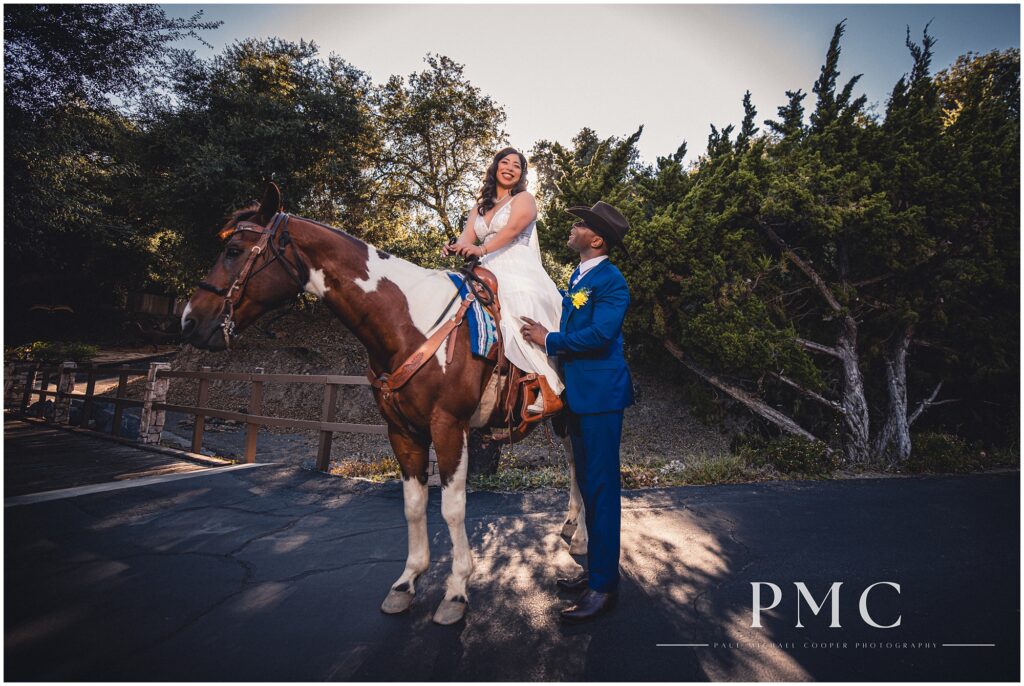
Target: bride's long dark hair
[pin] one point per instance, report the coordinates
(485, 201)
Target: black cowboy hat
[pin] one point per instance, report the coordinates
(606, 221)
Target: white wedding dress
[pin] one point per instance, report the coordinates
(524, 290)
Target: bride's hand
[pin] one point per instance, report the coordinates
(452, 248)
(471, 251)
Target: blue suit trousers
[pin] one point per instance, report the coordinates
(595, 446)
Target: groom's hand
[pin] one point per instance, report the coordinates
(533, 331)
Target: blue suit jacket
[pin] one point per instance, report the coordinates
(589, 343)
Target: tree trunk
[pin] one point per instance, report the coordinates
(893, 441)
(856, 435)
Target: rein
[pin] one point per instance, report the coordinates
(234, 293)
(483, 292)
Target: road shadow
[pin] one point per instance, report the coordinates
(276, 573)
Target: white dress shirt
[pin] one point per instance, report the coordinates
(585, 266)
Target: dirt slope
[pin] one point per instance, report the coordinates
(658, 426)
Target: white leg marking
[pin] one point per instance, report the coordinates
(453, 507)
(419, 546)
(316, 284)
(184, 315)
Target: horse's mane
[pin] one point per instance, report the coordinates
(250, 211)
(244, 214)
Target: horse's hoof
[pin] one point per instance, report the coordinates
(396, 602)
(450, 611)
(569, 527)
(578, 546)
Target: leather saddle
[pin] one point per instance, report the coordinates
(509, 389)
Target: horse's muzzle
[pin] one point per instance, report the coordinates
(209, 337)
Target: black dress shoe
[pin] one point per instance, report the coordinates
(590, 605)
(574, 583)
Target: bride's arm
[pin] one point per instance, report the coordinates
(468, 237)
(524, 211)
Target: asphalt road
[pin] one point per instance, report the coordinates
(40, 457)
(275, 573)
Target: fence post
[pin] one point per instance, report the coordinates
(151, 421)
(90, 391)
(122, 386)
(255, 407)
(44, 385)
(202, 397)
(65, 385)
(30, 381)
(9, 373)
(323, 455)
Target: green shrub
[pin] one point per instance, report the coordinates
(1008, 456)
(793, 455)
(51, 351)
(943, 453)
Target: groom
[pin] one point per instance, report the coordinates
(598, 388)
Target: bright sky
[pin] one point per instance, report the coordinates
(674, 68)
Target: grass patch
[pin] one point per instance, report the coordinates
(521, 478)
(720, 469)
(638, 473)
(696, 470)
(749, 465)
(377, 470)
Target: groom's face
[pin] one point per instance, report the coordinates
(582, 237)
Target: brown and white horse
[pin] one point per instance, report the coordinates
(392, 307)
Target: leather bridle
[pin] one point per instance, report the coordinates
(234, 293)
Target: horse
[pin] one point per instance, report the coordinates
(392, 307)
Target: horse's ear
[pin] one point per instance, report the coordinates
(271, 203)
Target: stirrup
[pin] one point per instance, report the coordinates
(544, 401)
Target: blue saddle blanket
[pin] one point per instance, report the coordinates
(483, 333)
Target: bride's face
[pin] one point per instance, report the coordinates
(509, 171)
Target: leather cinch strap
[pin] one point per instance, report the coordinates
(389, 383)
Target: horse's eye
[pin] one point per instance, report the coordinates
(233, 252)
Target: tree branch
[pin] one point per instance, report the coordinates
(754, 404)
(934, 346)
(872, 280)
(929, 402)
(809, 393)
(808, 271)
(819, 348)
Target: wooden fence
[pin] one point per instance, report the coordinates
(35, 380)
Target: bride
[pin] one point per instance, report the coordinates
(504, 220)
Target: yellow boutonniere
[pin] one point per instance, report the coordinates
(580, 297)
